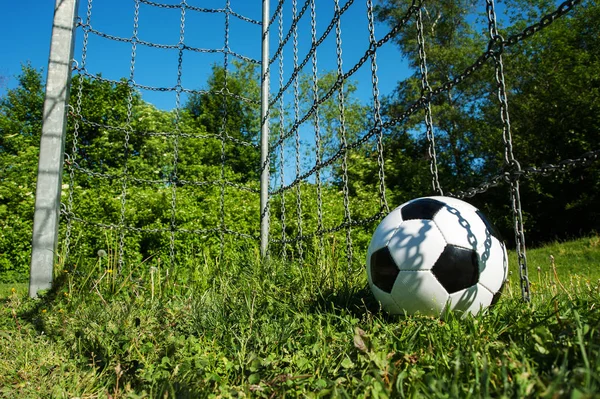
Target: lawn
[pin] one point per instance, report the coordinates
(242, 328)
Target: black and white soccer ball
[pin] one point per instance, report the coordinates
(435, 254)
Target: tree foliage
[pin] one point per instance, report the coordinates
(184, 167)
(552, 83)
(20, 128)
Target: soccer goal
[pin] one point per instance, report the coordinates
(176, 129)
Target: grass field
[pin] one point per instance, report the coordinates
(244, 329)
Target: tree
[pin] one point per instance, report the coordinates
(20, 128)
(553, 105)
(229, 110)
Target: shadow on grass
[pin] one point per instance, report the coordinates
(358, 302)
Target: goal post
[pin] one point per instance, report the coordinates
(52, 144)
(264, 132)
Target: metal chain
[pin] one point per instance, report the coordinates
(282, 143)
(311, 51)
(70, 159)
(201, 9)
(128, 130)
(162, 182)
(296, 130)
(512, 174)
(377, 109)
(293, 28)
(340, 79)
(316, 122)
(343, 141)
(509, 158)
(544, 170)
(545, 21)
(172, 46)
(86, 121)
(125, 176)
(173, 178)
(224, 133)
(109, 226)
(334, 229)
(425, 92)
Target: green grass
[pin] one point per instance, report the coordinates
(244, 329)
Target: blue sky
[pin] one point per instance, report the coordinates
(25, 28)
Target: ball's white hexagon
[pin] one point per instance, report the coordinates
(419, 292)
(416, 245)
(385, 230)
(493, 265)
(461, 226)
(470, 300)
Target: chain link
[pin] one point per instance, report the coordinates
(529, 172)
(162, 182)
(340, 79)
(282, 144)
(377, 108)
(126, 177)
(316, 43)
(425, 91)
(295, 131)
(74, 145)
(173, 175)
(545, 21)
(343, 141)
(334, 229)
(110, 226)
(226, 10)
(128, 131)
(292, 31)
(86, 121)
(509, 158)
(316, 123)
(179, 46)
(223, 131)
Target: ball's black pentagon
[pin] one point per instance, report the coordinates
(383, 269)
(457, 268)
(425, 208)
(491, 228)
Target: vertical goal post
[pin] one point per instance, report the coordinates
(264, 131)
(52, 144)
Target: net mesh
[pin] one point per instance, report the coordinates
(159, 184)
(318, 129)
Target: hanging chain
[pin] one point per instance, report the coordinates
(426, 93)
(377, 108)
(546, 20)
(316, 123)
(72, 158)
(173, 176)
(509, 158)
(340, 79)
(511, 175)
(297, 134)
(128, 130)
(343, 140)
(282, 142)
(223, 132)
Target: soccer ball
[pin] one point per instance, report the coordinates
(435, 254)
